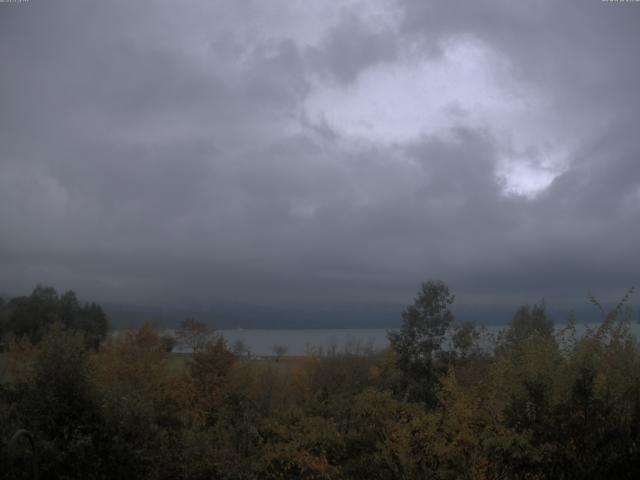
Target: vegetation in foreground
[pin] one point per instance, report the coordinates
(535, 405)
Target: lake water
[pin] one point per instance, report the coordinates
(299, 341)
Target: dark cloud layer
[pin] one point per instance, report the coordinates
(174, 153)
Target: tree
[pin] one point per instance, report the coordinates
(32, 316)
(240, 348)
(209, 369)
(144, 404)
(420, 338)
(527, 322)
(279, 351)
(464, 339)
(91, 320)
(168, 342)
(61, 408)
(193, 334)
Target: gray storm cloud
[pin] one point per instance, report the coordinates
(271, 151)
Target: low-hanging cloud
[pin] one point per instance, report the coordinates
(264, 152)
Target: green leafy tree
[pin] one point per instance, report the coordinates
(32, 316)
(61, 408)
(418, 343)
(525, 323)
(465, 340)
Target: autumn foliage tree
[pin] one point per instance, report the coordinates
(533, 403)
(193, 335)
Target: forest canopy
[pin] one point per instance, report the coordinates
(445, 400)
(32, 316)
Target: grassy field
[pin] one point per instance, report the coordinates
(177, 362)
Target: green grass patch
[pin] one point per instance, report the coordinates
(178, 363)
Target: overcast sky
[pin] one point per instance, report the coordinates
(278, 151)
